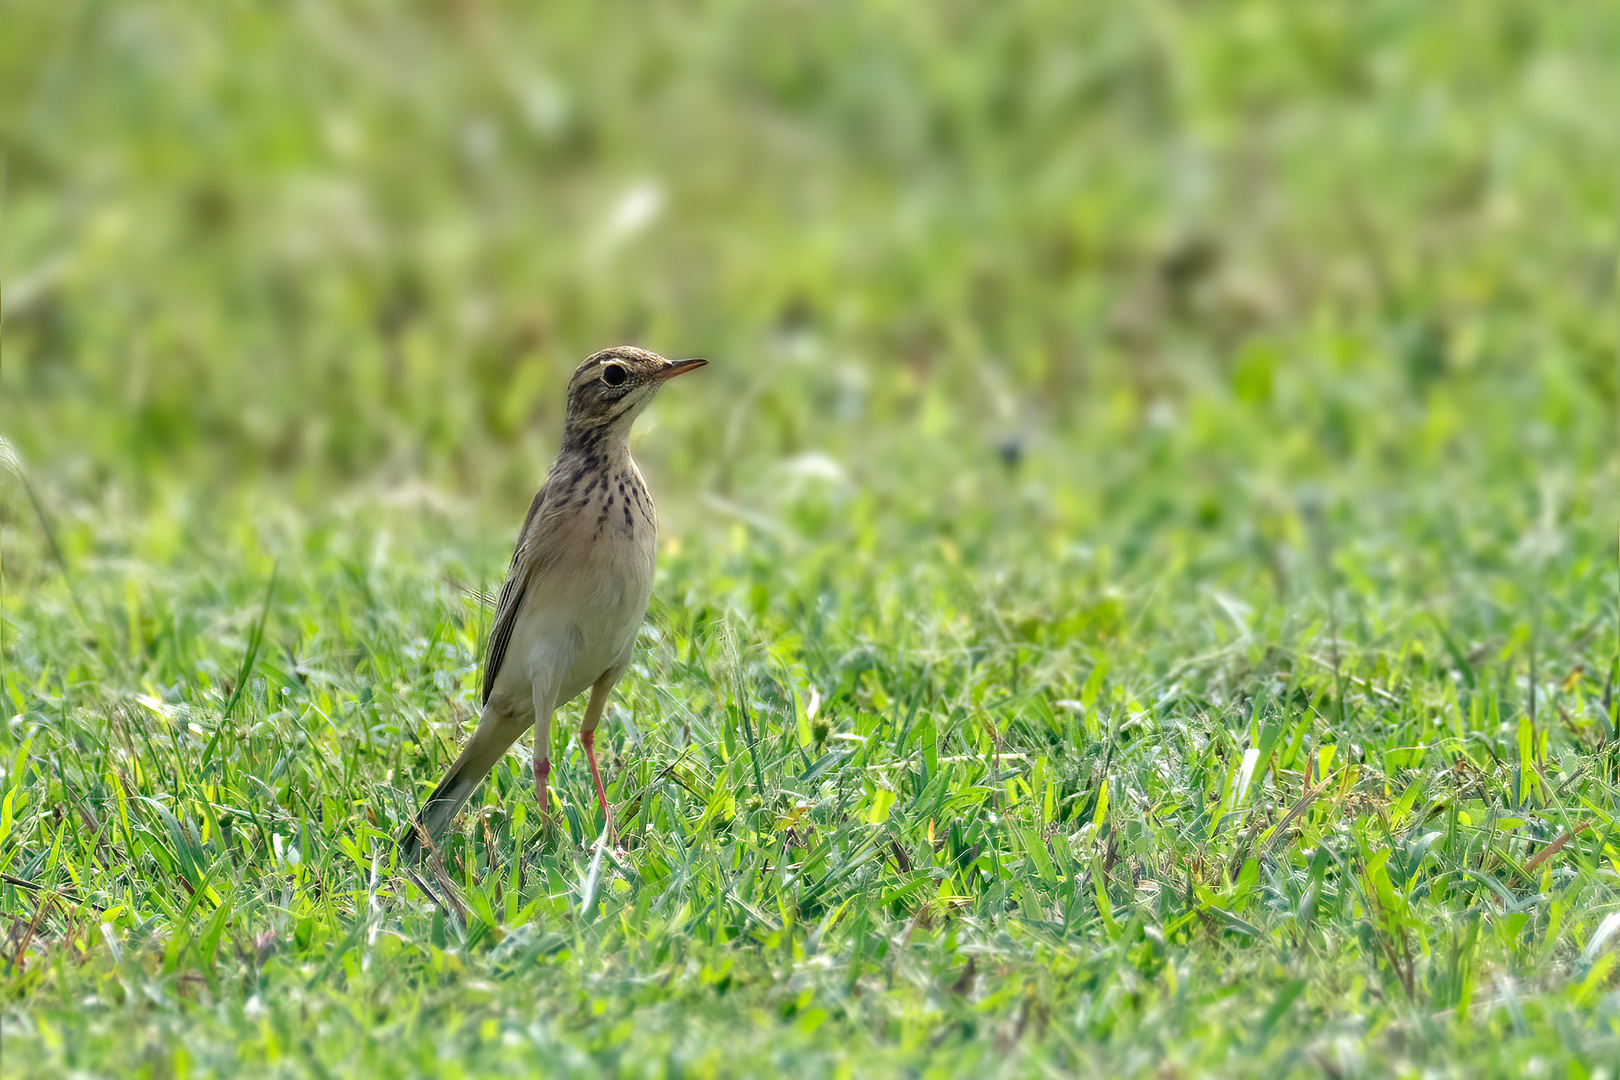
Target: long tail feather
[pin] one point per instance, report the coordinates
(480, 754)
(436, 814)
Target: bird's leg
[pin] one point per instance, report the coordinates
(542, 761)
(587, 738)
(542, 773)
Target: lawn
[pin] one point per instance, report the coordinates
(1138, 589)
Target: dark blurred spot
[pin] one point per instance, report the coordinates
(212, 208)
(1011, 452)
(1185, 266)
(798, 314)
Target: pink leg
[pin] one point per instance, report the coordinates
(587, 739)
(542, 756)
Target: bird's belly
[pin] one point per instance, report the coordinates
(585, 619)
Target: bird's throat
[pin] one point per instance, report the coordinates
(598, 484)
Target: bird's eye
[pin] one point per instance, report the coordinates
(614, 375)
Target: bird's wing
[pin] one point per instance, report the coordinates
(517, 583)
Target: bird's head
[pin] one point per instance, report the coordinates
(610, 388)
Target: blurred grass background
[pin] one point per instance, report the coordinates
(346, 241)
(1150, 341)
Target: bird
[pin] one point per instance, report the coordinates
(576, 590)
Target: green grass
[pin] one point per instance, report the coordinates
(1138, 591)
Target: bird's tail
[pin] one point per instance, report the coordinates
(480, 754)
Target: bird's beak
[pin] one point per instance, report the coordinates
(678, 367)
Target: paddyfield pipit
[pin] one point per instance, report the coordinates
(576, 590)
